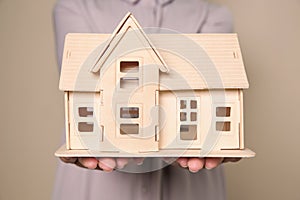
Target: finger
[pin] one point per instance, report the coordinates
(68, 159)
(90, 163)
(121, 162)
(231, 160)
(169, 160)
(107, 164)
(138, 161)
(183, 162)
(211, 163)
(195, 164)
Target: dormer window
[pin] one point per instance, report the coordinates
(129, 82)
(129, 73)
(129, 66)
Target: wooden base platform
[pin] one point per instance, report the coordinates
(234, 153)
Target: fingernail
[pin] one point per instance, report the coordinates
(193, 171)
(138, 161)
(108, 163)
(208, 167)
(121, 165)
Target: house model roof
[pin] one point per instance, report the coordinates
(192, 61)
(128, 23)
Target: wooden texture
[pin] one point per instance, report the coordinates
(141, 96)
(241, 128)
(235, 153)
(127, 25)
(207, 135)
(67, 120)
(123, 100)
(217, 61)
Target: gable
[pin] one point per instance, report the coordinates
(130, 31)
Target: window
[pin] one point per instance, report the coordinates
(223, 111)
(129, 129)
(223, 114)
(85, 126)
(129, 82)
(182, 104)
(129, 119)
(128, 74)
(129, 112)
(129, 66)
(188, 132)
(85, 111)
(188, 111)
(193, 116)
(182, 116)
(193, 104)
(84, 119)
(223, 126)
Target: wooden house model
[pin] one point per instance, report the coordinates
(131, 94)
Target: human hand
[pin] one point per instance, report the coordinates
(109, 164)
(105, 164)
(196, 164)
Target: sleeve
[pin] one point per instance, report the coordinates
(68, 17)
(218, 20)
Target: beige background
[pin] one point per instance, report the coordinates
(32, 108)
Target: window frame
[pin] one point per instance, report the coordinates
(134, 120)
(225, 119)
(188, 111)
(89, 119)
(129, 75)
